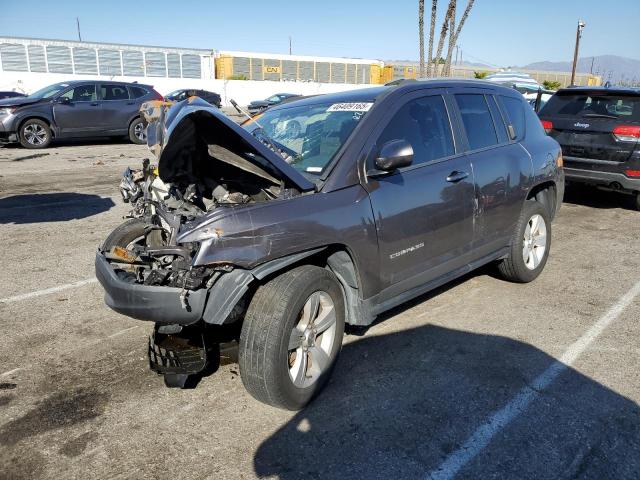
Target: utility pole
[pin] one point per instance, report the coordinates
(592, 60)
(581, 25)
(78, 25)
(289, 44)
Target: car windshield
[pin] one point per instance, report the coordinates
(50, 91)
(594, 105)
(312, 133)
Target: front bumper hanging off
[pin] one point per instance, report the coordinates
(147, 302)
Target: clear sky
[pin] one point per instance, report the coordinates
(498, 32)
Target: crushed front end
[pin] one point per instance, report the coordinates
(160, 271)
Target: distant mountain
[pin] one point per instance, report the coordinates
(610, 67)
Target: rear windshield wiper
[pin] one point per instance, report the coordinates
(599, 115)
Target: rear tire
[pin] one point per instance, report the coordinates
(291, 337)
(34, 133)
(636, 202)
(530, 245)
(125, 234)
(137, 132)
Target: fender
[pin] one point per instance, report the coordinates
(231, 287)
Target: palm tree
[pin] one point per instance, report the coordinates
(434, 8)
(443, 35)
(455, 33)
(421, 34)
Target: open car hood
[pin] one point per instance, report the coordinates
(18, 101)
(188, 135)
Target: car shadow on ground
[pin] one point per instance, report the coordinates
(51, 207)
(399, 403)
(589, 196)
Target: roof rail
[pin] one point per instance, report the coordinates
(400, 81)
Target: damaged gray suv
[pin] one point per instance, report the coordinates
(324, 212)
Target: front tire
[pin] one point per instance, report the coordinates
(291, 336)
(529, 246)
(137, 132)
(127, 233)
(34, 133)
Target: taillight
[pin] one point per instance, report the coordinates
(632, 173)
(157, 96)
(627, 133)
(547, 125)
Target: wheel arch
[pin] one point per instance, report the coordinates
(133, 119)
(33, 116)
(545, 193)
(242, 283)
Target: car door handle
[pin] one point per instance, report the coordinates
(94, 104)
(456, 176)
(130, 103)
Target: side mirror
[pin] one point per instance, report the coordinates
(63, 100)
(393, 155)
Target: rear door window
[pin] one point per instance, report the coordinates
(593, 105)
(114, 92)
(424, 123)
(498, 120)
(477, 120)
(514, 108)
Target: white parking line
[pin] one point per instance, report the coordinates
(47, 291)
(123, 331)
(10, 372)
(501, 418)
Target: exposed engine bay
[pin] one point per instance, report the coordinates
(204, 164)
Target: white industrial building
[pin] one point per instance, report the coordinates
(27, 64)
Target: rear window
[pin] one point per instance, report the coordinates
(624, 107)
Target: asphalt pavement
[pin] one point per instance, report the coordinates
(480, 379)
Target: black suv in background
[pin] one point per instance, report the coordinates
(599, 131)
(80, 108)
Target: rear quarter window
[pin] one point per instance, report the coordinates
(514, 109)
(137, 92)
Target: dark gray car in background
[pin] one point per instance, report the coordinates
(80, 108)
(324, 212)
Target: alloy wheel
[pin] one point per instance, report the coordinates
(534, 242)
(140, 132)
(312, 340)
(35, 134)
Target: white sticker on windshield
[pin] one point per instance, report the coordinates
(350, 107)
(314, 169)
